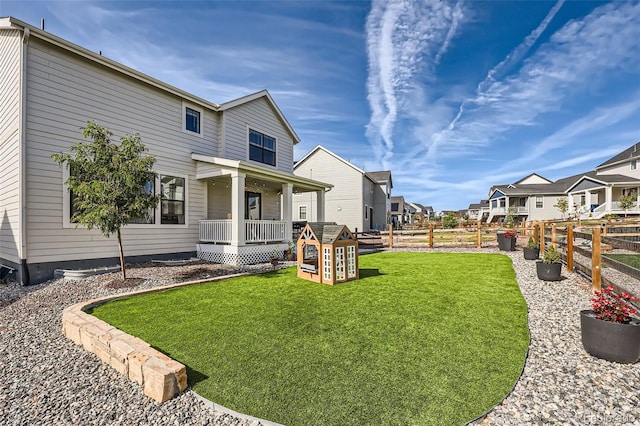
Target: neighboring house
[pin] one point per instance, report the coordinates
(530, 198)
(225, 170)
(360, 200)
(429, 213)
(593, 194)
(478, 211)
(398, 211)
(418, 210)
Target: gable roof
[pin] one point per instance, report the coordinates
(328, 232)
(632, 152)
(257, 95)
(534, 176)
(381, 176)
(336, 156)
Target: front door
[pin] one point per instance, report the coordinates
(252, 205)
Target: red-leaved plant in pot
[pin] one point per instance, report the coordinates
(609, 330)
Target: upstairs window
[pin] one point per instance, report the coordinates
(262, 148)
(192, 120)
(192, 117)
(539, 203)
(303, 213)
(634, 164)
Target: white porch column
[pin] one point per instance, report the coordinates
(287, 210)
(587, 200)
(571, 206)
(608, 198)
(320, 206)
(237, 209)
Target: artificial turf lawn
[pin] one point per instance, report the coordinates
(421, 338)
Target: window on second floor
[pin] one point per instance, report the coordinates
(262, 148)
(303, 213)
(192, 120)
(539, 203)
(394, 207)
(634, 164)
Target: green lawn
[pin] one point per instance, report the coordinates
(421, 338)
(632, 260)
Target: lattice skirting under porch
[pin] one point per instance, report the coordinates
(246, 255)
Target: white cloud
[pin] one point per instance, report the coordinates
(400, 36)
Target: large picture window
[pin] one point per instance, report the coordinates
(262, 148)
(172, 190)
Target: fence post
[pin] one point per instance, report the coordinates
(391, 236)
(553, 235)
(542, 241)
(536, 232)
(570, 248)
(431, 236)
(595, 259)
(479, 235)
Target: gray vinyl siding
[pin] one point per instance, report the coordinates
(621, 169)
(344, 204)
(10, 89)
(547, 211)
(260, 116)
(64, 92)
(219, 201)
(381, 206)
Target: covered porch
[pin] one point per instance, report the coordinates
(591, 198)
(248, 210)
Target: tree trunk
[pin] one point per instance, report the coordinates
(122, 265)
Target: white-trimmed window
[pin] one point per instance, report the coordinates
(173, 193)
(172, 208)
(303, 213)
(262, 148)
(634, 164)
(539, 202)
(192, 119)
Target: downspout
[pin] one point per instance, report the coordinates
(24, 269)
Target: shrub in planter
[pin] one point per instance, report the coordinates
(531, 251)
(609, 330)
(550, 268)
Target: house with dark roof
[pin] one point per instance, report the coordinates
(592, 194)
(597, 193)
(359, 199)
(478, 211)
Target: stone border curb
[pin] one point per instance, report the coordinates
(161, 377)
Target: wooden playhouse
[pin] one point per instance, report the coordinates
(327, 253)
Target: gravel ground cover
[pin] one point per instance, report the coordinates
(46, 379)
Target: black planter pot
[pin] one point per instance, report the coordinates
(549, 271)
(531, 253)
(609, 340)
(506, 244)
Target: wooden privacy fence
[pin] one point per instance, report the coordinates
(582, 249)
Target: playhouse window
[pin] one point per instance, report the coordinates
(326, 263)
(310, 254)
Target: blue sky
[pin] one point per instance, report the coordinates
(452, 97)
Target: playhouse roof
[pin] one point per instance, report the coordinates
(329, 233)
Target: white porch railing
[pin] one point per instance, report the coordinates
(256, 231)
(215, 231)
